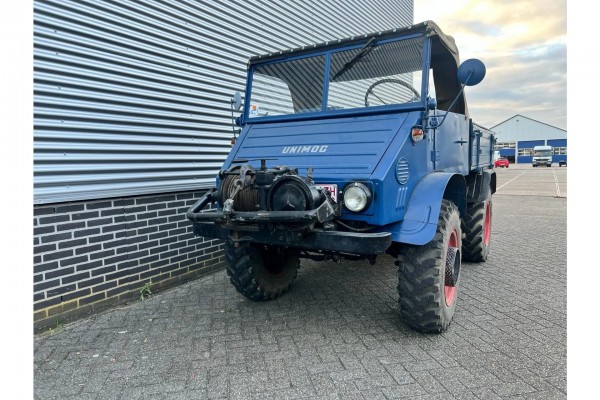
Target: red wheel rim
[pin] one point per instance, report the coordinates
(487, 225)
(450, 291)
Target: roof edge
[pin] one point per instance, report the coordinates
(425, 27)
(531, 119)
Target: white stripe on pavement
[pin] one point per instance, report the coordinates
(510, 181)
(556, 183)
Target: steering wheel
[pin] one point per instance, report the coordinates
(417, 96)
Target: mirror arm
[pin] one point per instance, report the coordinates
(233, 122)
(439, 124)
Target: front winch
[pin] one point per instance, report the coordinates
(277, 195)
(273, 189)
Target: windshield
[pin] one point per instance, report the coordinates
(542, 153)
(368, 76)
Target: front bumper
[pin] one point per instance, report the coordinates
(541, 162)
(256, 227)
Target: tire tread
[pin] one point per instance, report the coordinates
(241, 263)
(473, 247)
(419, 279)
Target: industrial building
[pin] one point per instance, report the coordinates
(517, 136)
(132, 121)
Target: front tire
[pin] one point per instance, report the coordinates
(477, 230)
(429, 275)
(261, 272)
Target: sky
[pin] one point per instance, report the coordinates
(523, 44)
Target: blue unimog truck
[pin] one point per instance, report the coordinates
(350, 149)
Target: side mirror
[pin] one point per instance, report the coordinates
(471, 72)
(236, 101)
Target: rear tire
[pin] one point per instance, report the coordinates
(427, 291)
(477, 230)
(261, 272)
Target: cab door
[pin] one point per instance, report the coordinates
(451, 144)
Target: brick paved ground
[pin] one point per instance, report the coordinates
(337, 334)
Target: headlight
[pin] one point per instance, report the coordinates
(357, 197)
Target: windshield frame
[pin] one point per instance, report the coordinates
(421, 104)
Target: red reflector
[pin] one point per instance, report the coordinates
(417, 133)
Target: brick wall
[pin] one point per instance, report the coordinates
(94, 254)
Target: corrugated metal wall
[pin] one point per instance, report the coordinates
(132, 97)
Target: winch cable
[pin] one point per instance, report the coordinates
(245, 200)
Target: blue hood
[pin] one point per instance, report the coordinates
(335, 148)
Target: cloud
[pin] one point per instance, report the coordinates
(522, 43)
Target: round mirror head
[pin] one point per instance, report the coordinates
(471, 72)
(237, 101)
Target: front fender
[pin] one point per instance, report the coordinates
(423, 209)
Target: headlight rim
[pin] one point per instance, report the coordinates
(365, 189)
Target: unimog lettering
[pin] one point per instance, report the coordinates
(273, 208)
(305, 149)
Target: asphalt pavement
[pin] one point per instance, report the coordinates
(337, 334)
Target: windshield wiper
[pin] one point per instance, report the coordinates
(366, 49)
